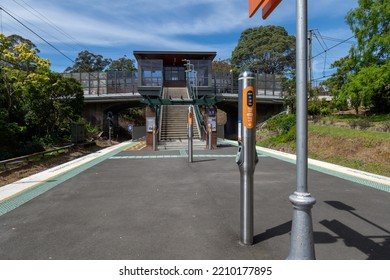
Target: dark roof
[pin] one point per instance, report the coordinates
(174, 57)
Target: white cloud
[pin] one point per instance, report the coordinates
(163, 24)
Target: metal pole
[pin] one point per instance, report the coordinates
(247, 155)
(310, 62)
(302, 243)
(190, 134)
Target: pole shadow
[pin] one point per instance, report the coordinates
(352, 238)
(203, 160)
(273, 232)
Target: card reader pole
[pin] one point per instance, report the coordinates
(247, 155)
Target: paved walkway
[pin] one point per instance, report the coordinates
(125, 203)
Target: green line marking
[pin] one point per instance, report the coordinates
(331, 172)
(174, 156)
(23, 197)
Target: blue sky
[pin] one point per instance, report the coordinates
(118, 27)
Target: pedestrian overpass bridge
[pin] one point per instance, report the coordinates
(115, 91)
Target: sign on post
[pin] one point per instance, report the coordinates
(267, 7)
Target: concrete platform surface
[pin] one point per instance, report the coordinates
(155, 205)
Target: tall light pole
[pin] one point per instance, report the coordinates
(302, 242)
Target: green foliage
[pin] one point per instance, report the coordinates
(89, 62)
(363, 87)
(122, 64)
(281, 123)
(362, 78)
(10, 132)
(266, 49)
(91, 131)
(289, 92)
(362, 123)
(314, 107)
(370, 24)
(53, 106)
(34, 102)
(134, 115)
(221, 66)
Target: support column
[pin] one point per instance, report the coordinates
(150, 115)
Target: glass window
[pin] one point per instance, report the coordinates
(151, 72)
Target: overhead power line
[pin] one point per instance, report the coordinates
(328, 49)
(42, 17)
(36, 34)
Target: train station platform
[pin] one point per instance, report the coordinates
(129, 203)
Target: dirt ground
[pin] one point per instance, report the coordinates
(20, 170)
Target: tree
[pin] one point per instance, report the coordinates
(370, 24)
(358, 78)
(34, 102)
(266, 49)
(221, 66)
(122, 64)
(363, 86)
(14, 75)
(53, 106)
(89, 62)
(289, 92)
(17, 40)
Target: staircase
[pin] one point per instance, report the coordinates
(173, 124)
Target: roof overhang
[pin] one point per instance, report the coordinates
(174, 57)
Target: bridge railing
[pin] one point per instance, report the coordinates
(112, 82)
(267, 84)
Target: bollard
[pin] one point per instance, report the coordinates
(190, 134)
(246, 155)
(210, 130)
(154, 139)
(110, 124)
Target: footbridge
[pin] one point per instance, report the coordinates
(158, 74)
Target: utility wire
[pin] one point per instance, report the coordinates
(333, 47)
(338, 40)
(49, 22)
(322, 38)
(32, 31)
(45, 31)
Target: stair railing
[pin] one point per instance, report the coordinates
(160, 113)
(198, 114)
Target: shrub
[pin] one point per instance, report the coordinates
(280, 123)
(314, 107)
(386, 126)
(361, 123)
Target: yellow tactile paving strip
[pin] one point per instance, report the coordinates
(137, 147)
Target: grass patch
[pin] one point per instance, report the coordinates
(358, 149)
(347, 132)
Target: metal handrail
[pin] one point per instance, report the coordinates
(160, 112)
(7, 161)
(197, 111)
